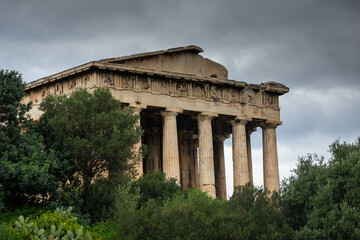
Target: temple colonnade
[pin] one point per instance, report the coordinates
(190, 147)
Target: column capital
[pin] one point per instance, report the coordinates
(250, 130)
(168, 113)
(171, 112)
(270, 125)
(221, 137)
(203, 116)
(137, 107)
(238, 122)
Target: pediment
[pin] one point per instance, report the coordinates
(179, 60)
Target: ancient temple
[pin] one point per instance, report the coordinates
(187, 107)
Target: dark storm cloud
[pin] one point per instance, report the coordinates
(302, 42)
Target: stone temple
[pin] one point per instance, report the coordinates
(187, 108)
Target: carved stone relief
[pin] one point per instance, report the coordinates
(199, 91)
(270, 100)
(215, 93)
(144, 83)
(181, 89)
(250, 97)
(72, 83)
(164, 87)
(109, 80)
(128, 82)
(85, 80)
(43, 94)
(231, 95)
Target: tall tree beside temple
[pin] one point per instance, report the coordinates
(322, 199)
(26, 168)
(12, 111)
(98, 133)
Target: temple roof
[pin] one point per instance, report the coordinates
(179, 63)
(190, 48)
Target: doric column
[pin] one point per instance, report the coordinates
(219, 164)
(195, 161)
(270, 164)
(206, 155)
(139, 162)
(240, 157)
(171, 164)
(248, 144)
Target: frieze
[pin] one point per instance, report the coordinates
(191, 89)
(164, 87)
(270, 100)
(72, 83)
(215, 93)
(144, 83)
(85, 80)
(181, 89)
(199, 91)
(231, 95)
(109, 80)
(250, 97)
(128, 81)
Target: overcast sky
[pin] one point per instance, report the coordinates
(313, 47)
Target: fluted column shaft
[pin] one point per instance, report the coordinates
(248, 144)
(139, 162)
(240, 156)
(171, 164)
(206, 155)
(219, 163)
(270, 164)
(195, 161)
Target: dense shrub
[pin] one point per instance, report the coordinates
(104, 230)
(322, 199)
(192, 214)
(59, 224)
(6, 233)
(99, 197)
(155, 185)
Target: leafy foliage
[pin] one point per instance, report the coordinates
(12, 111)
(155, 186)
(27, 169)
(57, 225)
(6, 233)
(97, 132)
(100, 197)
(321, 200)
(192, 214)
(104, 230)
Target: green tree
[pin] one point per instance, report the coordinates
(97, 132)
(26, 168)
(12, 111)
(321, 201)
(26, 171)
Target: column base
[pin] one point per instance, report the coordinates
(210, 190)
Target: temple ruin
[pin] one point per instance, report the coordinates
(187, 108)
